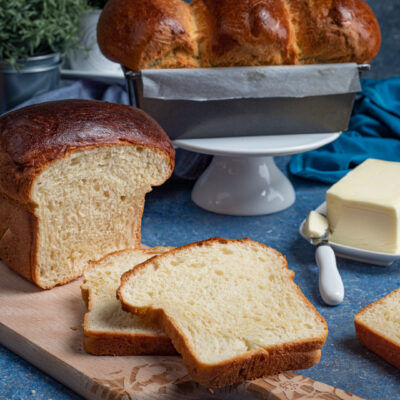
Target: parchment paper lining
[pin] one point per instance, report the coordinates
(207, 84)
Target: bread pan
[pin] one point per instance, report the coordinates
(248, 101)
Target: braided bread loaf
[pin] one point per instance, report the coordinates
(218, 33)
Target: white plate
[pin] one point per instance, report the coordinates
(273, 145)
(353, 253)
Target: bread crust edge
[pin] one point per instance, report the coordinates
(374, 340)
(121, 344)
(249, 365)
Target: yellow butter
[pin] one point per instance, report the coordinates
(316, 225)
(363, 208)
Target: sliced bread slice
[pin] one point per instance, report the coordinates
(107, 328)
(378, 327)
(230, 307)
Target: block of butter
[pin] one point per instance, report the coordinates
(363, 208)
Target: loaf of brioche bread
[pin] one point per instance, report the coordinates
(107, 328)
(73, 177)
(378, 327)
(216, 33)
(230, 307)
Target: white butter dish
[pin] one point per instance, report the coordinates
(353, 253)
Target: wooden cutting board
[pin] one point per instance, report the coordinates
(44, 328)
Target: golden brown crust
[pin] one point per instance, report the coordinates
(252, 32)
(214, 33)
(148, 34)
(377, 343)
(18, 241)
(128, 345)
(250, 365)
(118, 343)
(17, 237)
(374, 340)
(334, 31)
(34, 136)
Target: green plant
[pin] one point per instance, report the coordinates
(37, 27)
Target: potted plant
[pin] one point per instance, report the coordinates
(34, 35)
(86, 55)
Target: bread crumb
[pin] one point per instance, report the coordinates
(33, 392)
(74, 328)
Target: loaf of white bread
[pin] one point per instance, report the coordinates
(107, 328)
(73, 178)
(230, 307)
(378, 327)
(219, 33)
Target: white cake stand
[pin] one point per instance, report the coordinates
(242, 178)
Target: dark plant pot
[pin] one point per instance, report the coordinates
(34, 76)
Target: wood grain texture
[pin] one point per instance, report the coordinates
(45, 328)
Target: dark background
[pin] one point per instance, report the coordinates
(387, 64)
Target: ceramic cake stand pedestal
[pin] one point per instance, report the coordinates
(242, 178)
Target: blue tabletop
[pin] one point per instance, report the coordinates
(170, 218)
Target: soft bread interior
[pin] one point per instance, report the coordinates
(226, 298)
(383, 317)
(100, 283)
(90, 204)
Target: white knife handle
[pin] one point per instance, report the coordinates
(330, 282)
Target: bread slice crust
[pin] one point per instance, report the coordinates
(121, 343)
(17, 237)
(376, 341)
(249, 365)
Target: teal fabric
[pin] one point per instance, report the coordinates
(374, 132)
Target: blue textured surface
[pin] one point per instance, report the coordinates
(19, 380)
(171, 218)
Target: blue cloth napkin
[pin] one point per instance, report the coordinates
(85, 89)
(374, 132)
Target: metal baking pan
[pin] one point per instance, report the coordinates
(281, 114)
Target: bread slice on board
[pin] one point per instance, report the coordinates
(108, 329)
(378, 327)
(230, 307)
